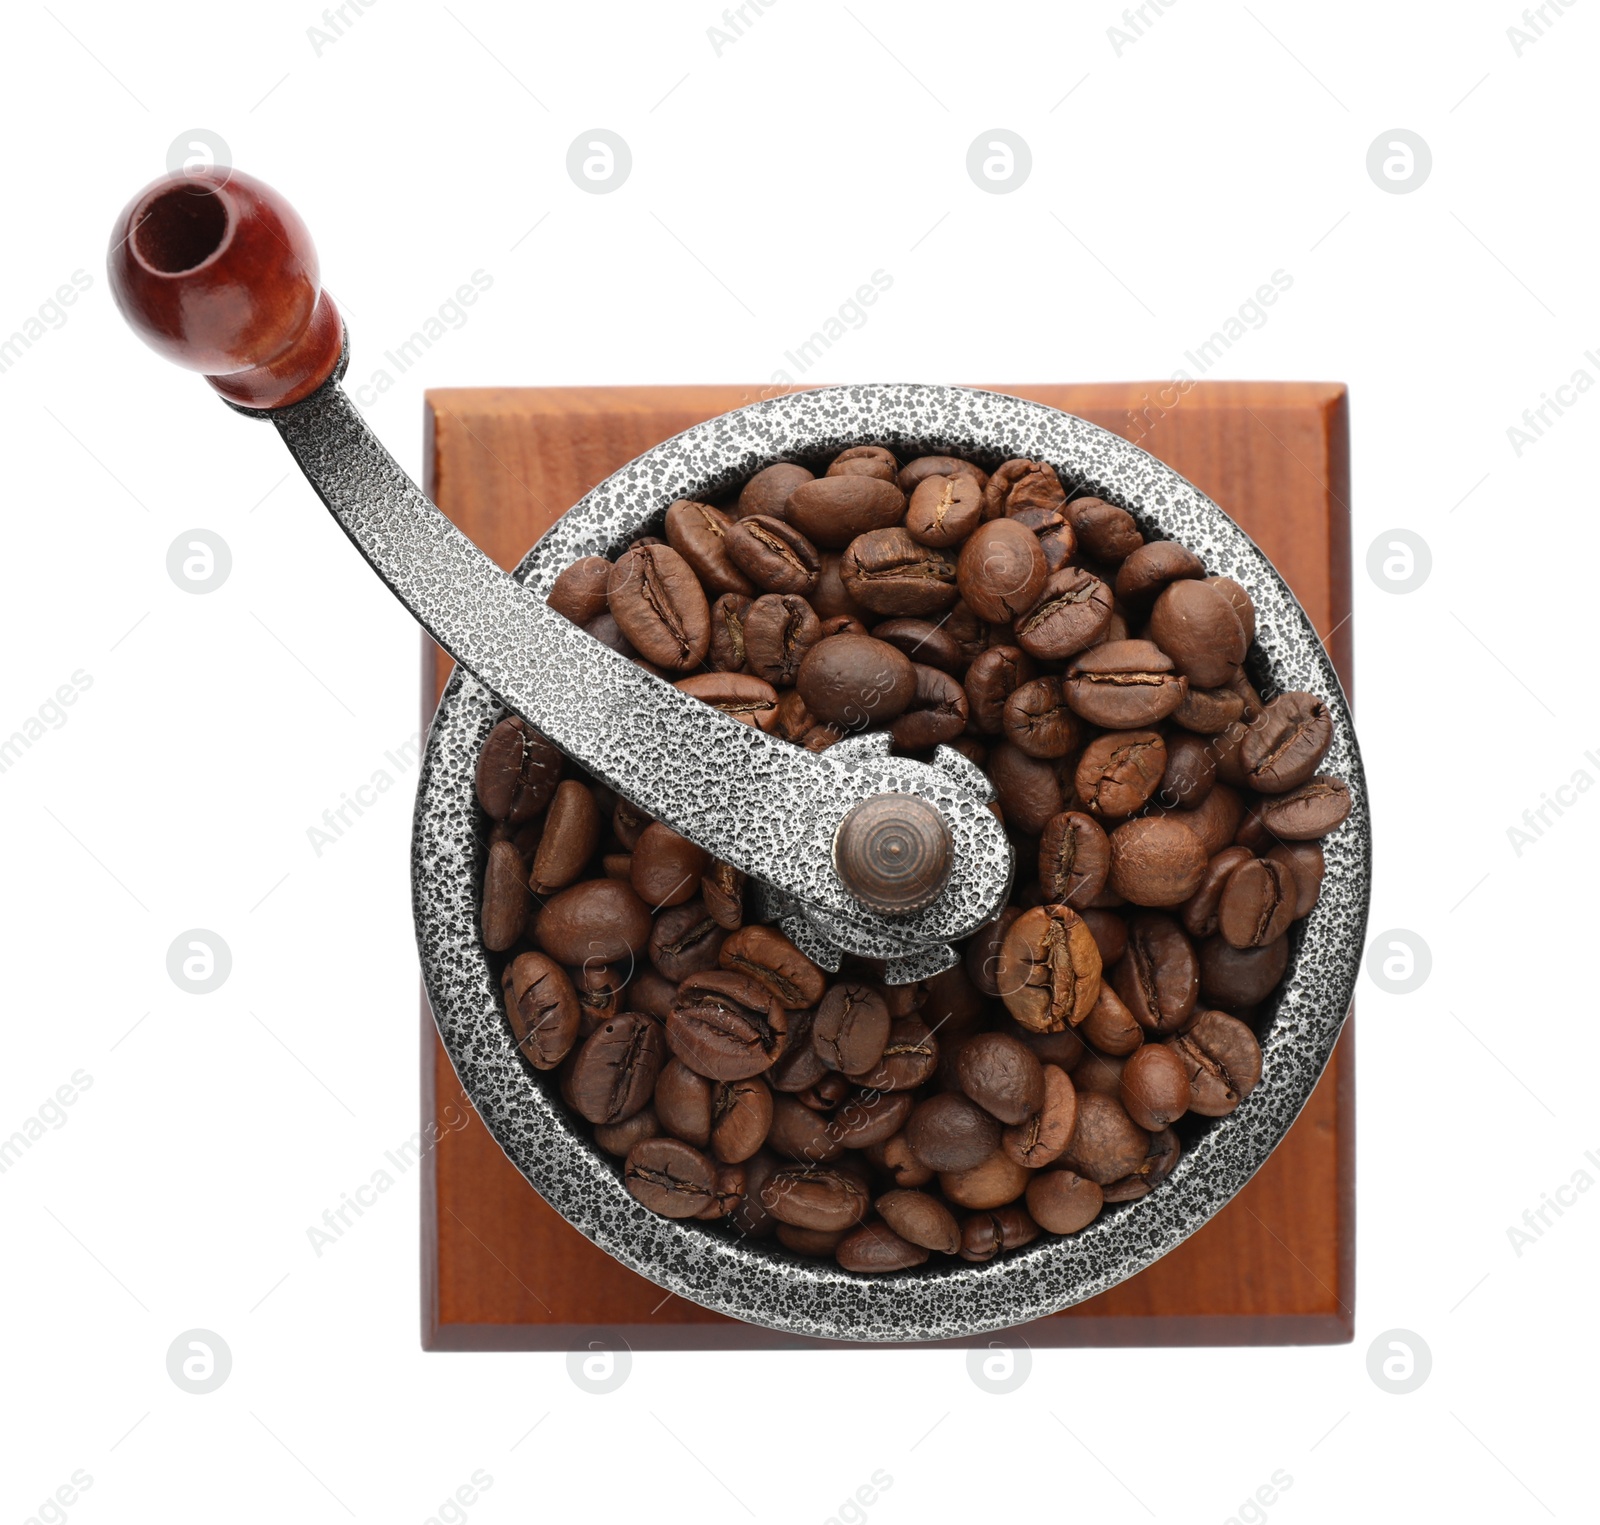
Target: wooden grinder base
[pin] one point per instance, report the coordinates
(500, 1269)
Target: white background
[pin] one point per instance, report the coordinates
(1172, 174)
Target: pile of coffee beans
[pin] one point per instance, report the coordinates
(1165, 817)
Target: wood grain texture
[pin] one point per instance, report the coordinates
(502, 1271)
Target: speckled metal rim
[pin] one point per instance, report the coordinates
(760, 1282)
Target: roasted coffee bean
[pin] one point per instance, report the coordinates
(1072, 612)
(605, 629)
(767, 955)
(799, 1132)
(774, 555)
(741, 1118)
(1215, 819)
(727, 1026)
(1107, 1144)
(1074, 859)
(1157, 1165)
(920, 1219)
(944, 510)
(658, 603)
(876, 1248)
(1242, 605)
(820, 737)
(542, 1008)
(1257, 904)
(1059, 544)
(697, 532)
(1110, 933)
(602, 991)
(833, 510)
(779, 629)
(1221, 1060)
(1119, 772)
(1158, 977)
(972, 635)
(799, 1066)
(830, 598)
(1049, 971)
(815, 1197)
(895, 1159)
(809, 1241)
(652, 993)
(870, 1117)
(1001, 570)
(1124, 685)
(727, 650)
(983, 951)
(1110, 1028)
(1002, 1076)
(937, 712)
(1042, 1138)
(1028, 788)
(1190, 774)
(750, 1217)
(685, 940)
(1305, 861)
(951, 1132)
(794, 719)
(1022, 484)
(985, 1235)
(866, 461)
(619, 1138)
(909, 1058)
(726, 1195)
(667, 868)
(992, 677)
(683, 1103)
(1209, 711)
(628, 822)
(1282, 748)
(1036, 718)
(850, 1028)
(924, 642)
(1241, 976)
(1155, 1087)
(1063, 1049)
(579, 593)
(1199, 912)
(914, 473)
(1062, 1201)
(1198, 627)
(1149, 569)
(1309, 812)
(670, 1177)
(1099, 1072)
(1106, 532)
(505, 897)
(614, 1073)
(739, 695)
(853, 681)
(886, 571)
(994, 1182)
(1156, 861)
(767, 492)
(517, 773)
(571, 835)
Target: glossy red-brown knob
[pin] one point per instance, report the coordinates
(893, 853)
(217, 272)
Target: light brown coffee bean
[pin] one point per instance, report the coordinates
(1107, 1144)
(542, 1008)
(1042, 1138)
(944, 510)
(698, 533)
(1002, 1076)
(741, 1118)
(1119, 772)
(1309, 812)
(505, 897)
(767, 492)
(921, 1219)
(751, 700)
(831, 511)
(767, 955)
(1037, 719)
(579, 592)
(1049, 969)
(851, 1028)
(1222, 1060)
(1062, 1202)
(995, 1182)
(1156, 861)
(1074, 859)
(667, 868)
(571, 835)
(1197, 626)
(726, 1026)
(1155, 1087)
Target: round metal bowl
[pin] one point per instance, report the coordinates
(760, 1281)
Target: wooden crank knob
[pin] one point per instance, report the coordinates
(216, 271)
(893, 853)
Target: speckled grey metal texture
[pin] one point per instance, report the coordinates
(752, 800)
(760, 1282)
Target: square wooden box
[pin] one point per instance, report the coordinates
(502, 1271)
